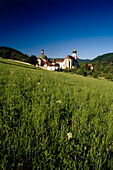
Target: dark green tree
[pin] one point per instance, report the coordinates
(13, 55)
(26, 58)
(0, 53)
(96, 66)
(33, 59)
(86, 67)
(5, 53)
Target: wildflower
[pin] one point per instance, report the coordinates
(69, 135)
(59, 101)
(38, 83)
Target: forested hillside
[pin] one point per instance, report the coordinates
(105, 59)
(10, 53)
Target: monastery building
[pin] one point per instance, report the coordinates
(57, 64)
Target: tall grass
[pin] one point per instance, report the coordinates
(39, 108)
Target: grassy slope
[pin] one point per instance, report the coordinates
(13, 62)
(40, 107)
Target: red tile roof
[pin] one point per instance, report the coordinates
(68, 57)
(90, 65)
(45, 62)
(53, 65)
(59, 60)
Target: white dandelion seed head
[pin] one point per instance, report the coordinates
(69, 135)
(59, 101)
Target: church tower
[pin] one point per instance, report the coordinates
(74, 54)
(42, 51)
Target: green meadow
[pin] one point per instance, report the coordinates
(39, 108)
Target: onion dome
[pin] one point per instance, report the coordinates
(42, 56)
(74, 51)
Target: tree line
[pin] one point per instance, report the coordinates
(99, 70)
(8, 53)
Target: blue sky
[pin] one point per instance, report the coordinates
(58, 26)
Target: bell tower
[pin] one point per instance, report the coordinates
(74, 54)
(42, 51)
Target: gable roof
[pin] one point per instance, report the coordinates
(68, 57)
(59, 60)
(90, 65)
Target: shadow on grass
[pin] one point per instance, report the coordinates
(18, 65)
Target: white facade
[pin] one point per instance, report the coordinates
(39, 61)
(68, 63)
(61, 65)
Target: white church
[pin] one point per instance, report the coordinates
(57, 64)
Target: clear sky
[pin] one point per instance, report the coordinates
(58, 26)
